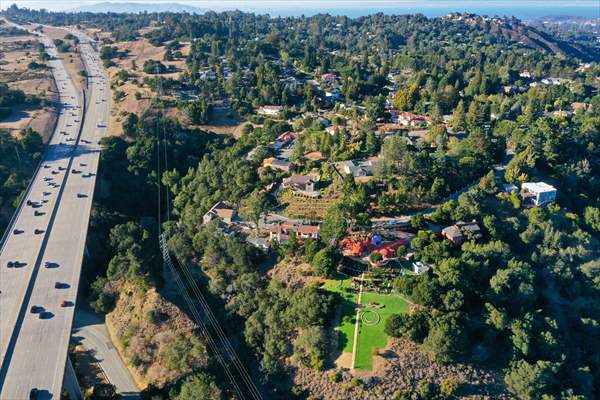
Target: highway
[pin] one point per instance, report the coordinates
(42, 253)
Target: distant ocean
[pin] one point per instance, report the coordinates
(523, 9)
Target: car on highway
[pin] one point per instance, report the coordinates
(46, 166)
(81, 195)
(36, 309)
(62, 168)
(38, 231)
(47, 178)
(37, 213)
(17, 231)
(45, 315)
(61, 285)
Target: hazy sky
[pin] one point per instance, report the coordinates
(358, 7)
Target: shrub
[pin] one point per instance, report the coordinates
(449, 386)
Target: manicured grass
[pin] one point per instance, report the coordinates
(347, 312)
(370, 337)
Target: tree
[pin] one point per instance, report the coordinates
(375, 106)
(325, 261)
(592, 218)
(335, 225)
(414, 326)
(531, 381)
(130, 124)
(255, 206)
(447, 337)
(488, 183)
(458, 116)
(199, 386)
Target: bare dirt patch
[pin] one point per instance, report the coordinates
(15, 56)
(400, 367)
(224, 122)
(294, 273)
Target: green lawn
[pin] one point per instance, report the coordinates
(373, 336)
(348, 313)
(369, 337)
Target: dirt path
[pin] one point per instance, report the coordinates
(355, 341)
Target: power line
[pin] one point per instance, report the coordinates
(196, 315)
(220, 333)
(239, 367)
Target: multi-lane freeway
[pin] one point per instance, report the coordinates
(42, 252)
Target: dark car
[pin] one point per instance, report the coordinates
(38, 213)
(17, 231)
(45, 315)
(36, 309)
(61, 285)
(80, 195)
(38, 231)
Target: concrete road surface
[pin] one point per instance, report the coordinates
(47, 239)
(90, 331)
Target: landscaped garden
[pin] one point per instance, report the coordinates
(375, 309)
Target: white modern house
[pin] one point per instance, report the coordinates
(270, 110)
(539, 192)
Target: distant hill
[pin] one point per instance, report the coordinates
(135, 8)
(516, 31)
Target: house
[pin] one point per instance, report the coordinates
(284, 139)
(509, 188)
(270, 110)
(460, 231)
(409, 119)
(221, 212)
(329, 78)
(526, 75)
(282, 232)
(357, 168)
(576, 106)
(555, 81)
(276, 163)
(333, 129)
(538, 192)
(261, 243)
(562, 113)
(419, 267)
(509, 88)
(302, 184)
